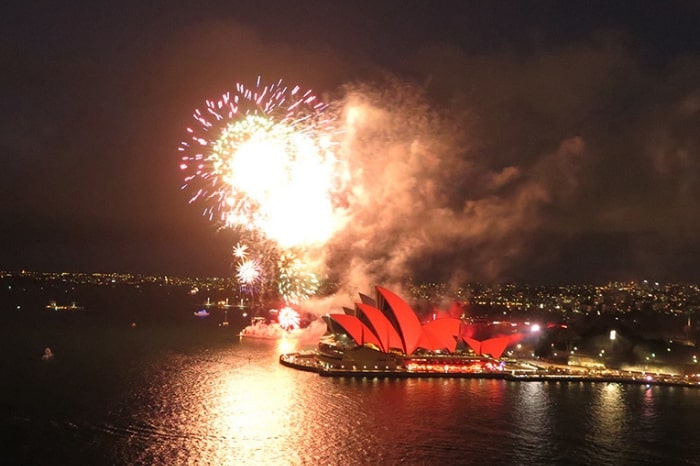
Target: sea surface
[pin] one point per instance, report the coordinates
(139, 380)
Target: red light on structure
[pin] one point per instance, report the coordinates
(393, 325)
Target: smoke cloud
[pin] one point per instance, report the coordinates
(421, 205)
(483, 143)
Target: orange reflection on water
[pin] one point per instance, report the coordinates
(252, 412)
(286, 345)
(223, 409)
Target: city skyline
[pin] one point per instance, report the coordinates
(576, 157)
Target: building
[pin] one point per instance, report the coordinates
(385, 334)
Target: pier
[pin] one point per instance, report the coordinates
(309, 362)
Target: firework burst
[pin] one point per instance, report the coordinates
(248, 272)
(240, 251)
(289, 319)
(262, 160)
(296, 282)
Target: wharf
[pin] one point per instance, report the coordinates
(307, 361)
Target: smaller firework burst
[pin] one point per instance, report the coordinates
(289, 319)
(240, 251)
(248, 272)
(296, 283)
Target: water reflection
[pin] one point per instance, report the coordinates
(287, 345)
(531, 421)
(226, 409)
(648, 411)
(609, 418)
(178, 395)
(251, 411)
(237, 405)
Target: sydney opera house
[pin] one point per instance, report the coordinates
(385, 334)
(384, 337)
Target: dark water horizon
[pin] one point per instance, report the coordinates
(176, 389)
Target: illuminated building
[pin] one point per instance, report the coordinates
(386, 335)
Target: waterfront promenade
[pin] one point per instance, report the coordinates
(308, 361)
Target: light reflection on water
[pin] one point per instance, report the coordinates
(609, 420)
(530, 412)
(241, 407)
(609, 410)
(232, 403)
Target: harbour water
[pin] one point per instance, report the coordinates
(175, 389)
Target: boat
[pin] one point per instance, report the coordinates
(48, 354)
(54, 306)
(262, 330)
(201, 313)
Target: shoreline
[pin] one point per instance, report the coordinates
(307, 362)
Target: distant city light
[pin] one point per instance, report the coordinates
(613, 334)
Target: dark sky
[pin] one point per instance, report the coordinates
(579, 159)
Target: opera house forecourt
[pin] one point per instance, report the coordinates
(383, 337)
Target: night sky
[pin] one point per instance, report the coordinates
(560, 141)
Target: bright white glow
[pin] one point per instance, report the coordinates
(288, 318)
(248, 271)
(277, 180)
